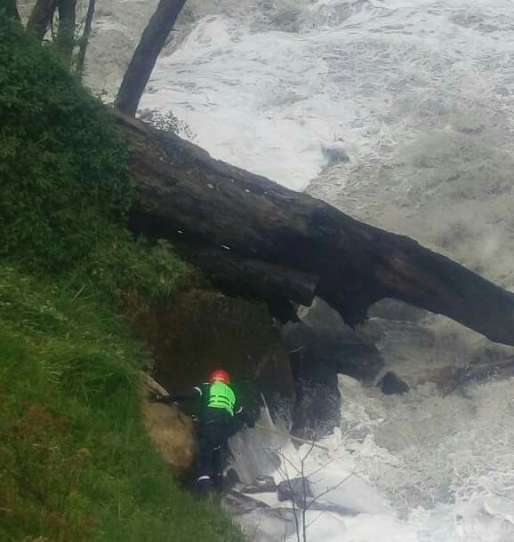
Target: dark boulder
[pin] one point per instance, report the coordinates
(320, 347)
(353, 353)
(391, 384)
(297, 490)
(261, 484)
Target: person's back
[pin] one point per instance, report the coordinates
(218, 402)
(220, 412)
(220, 416)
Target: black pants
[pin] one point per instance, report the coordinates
(212, 447)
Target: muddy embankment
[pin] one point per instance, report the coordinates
(198, 331)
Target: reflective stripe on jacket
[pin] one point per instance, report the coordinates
(221, 396)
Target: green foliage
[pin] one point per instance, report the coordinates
(75, 461)
(62, 163)
(9, 9)
(64, 193)
(128, 270)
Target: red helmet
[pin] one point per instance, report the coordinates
(219, 374)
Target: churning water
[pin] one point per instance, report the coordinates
(399, 112)
(420, 468)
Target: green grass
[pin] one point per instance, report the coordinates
(64, 190)
(75, 461)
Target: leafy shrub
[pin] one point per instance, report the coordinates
(126, 267)
(62, 162)
(64, 191)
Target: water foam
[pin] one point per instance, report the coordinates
(399, 112)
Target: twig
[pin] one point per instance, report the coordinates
(81, 289)
(292, 437)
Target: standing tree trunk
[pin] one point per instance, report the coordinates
(66, 34)
(41, 17)
(84, 40)
(142, 63)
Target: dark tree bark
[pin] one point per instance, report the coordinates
(145, 56)
(84, 40)
(41, 17)
(183, 195)
(66, 33)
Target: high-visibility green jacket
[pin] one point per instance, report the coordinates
(220, 395)
(217, 401)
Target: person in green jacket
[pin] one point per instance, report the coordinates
(220, 416)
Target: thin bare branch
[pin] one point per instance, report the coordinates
(84, 40)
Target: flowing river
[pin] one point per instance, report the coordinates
(400, 113)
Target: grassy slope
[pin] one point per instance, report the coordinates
(75, 462)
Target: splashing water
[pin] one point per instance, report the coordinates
(419, 468)
(399, 112)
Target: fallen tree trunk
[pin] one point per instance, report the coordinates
(246, 277)
(220, 214)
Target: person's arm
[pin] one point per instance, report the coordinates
(177, 398)
(242, 415)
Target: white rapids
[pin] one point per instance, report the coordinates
(420, 468)
(401, 113)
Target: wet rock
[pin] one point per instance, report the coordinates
(316, 409)
(391, 384)
(262, 484)
(331, 339)
(258, 520)
(320, 347)
(231, 479)
(238, 504)
(171, 432)
(297, 490)
(334, 154)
